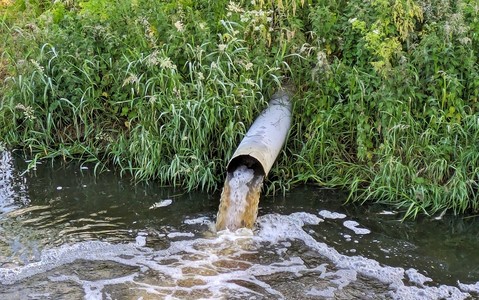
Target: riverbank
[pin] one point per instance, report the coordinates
(386, 101)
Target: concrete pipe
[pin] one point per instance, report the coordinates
(252, 162)
(265, 138)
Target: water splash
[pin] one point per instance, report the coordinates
(12, 187)
(87, 247)
(280, 261)
(239, 199)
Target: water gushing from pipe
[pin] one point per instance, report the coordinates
(239, 199)
(251, 163)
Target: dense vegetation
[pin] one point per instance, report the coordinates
(386, 100)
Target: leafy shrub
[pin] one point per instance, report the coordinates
(386, 97)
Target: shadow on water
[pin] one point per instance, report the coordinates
(66, 234)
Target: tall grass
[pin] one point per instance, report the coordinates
(386, 101)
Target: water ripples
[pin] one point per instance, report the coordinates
(280, 260)
(100, 238)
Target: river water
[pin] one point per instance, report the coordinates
(66, 234)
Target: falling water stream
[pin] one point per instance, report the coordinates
(66, 234)
(239, 200)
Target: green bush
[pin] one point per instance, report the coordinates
(386, 101)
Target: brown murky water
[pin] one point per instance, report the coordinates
(239, 200)
(66, 234)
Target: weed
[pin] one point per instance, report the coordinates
(386, 103)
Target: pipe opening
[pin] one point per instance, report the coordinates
(248, 161)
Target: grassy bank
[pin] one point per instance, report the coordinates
(386, 101)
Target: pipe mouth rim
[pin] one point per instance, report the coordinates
(246, 160)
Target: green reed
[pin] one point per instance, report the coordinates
(385, 102)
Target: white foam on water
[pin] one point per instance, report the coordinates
(415, 277)
(180, 234)
(162, 203)
(353, 225)
(93, 289)
(55, 257)
(470, 288)
(195, 221)
(239, 191)
(140, 241)
(235, 234)
(240, 264)
(331, 215)
(387, 212)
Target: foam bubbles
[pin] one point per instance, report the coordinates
(331, 215)
(279, 260)
(353, 225)
(239, 189)
(239, 199)
(180, 234)
(140, 241)
(162, 203)
(195, 221)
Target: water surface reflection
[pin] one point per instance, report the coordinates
(66, 234)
